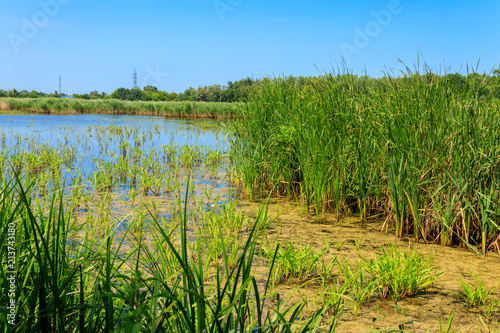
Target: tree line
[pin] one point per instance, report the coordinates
(238, 91)
(242, 90)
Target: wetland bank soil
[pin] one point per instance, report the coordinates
(425, 309)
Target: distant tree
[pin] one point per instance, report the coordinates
(13, 93)
(165, 96)
(137, 95)
(179, 97)
(55, 94)
(480, 83)
(33, 94)
(201, 94)
(94, 94)
(23, 93)
(150, 88)
(214, 93)
(240, 90)
(172, 96)
(121, 93)
(229, 94)
(189, 94)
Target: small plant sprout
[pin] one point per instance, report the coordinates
(478, 295)
(338, 245)
(447, 328)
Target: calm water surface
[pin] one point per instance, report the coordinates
(96, 139)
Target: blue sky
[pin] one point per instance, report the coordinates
(174, 44)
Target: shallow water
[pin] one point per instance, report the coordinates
(91, 140)
(49, 128)
(85, 151)
(54, 130)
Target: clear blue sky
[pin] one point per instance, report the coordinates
(174, 44)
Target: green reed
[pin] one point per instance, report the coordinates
(92, 283)
(111, 106)
(408, 146)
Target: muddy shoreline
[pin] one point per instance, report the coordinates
(426, 310)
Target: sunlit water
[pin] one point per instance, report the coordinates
(92, 141)
(49, 128)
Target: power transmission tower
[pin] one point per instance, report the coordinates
(135, 79)
(60, 89)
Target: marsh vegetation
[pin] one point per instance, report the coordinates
(172, 109)
(269, 223)
(414, 150)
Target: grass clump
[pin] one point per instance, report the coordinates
(475, 293)
(356, 285)
(401, 274)
(478, 295)
(294, 260)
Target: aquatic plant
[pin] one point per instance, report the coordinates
(293, 260)
(66, 283)
(408, 146)
(478, 295)
(401, 273)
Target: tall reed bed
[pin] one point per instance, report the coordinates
(171, 109)
(413, 148)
